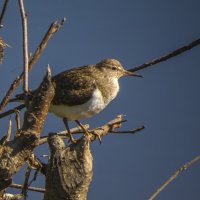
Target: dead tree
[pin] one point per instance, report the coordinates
(69, 170)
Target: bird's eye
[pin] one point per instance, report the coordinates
(114, 68)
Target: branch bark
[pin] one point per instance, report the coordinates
(18, 186)
(25, 44)
(13, 154)
(69, 171)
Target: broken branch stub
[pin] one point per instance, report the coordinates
(13, 154)
(69, 170)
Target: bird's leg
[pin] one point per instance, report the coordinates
(88, 132)
(68, 130)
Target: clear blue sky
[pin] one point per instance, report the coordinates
(166, 101)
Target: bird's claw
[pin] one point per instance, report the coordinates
(95, 134)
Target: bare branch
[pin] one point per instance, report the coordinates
(3, 13)
(34, 177)
(54, 27)
(107, 128)
(9, 131)
(18, 186)
(63, 134)
(25, 185)
(25, 44)
(131, 131)
(171, 178)
(11, 111)
(101, 131)
(15, 153)
(167, 56)
(17, 119)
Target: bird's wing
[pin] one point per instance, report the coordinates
(72, 88)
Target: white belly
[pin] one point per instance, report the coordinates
(88, 109)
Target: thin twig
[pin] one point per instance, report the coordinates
(25, 45)
(131, 131)
(100, 131)
(63, 134)
(18, 186)
(34, 177)
(9, 112)
(25, 185)
(9, 130)
(171, 178)
(3, 13)
(167, 56)
(54, 27)
(17, 119)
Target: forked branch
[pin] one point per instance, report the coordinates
(54, 27)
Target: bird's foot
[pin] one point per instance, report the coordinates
(93, 133)
(97, 136)
(87, 132)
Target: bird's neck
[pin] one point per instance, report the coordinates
(109, 88)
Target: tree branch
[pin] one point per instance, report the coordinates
(11, 111)
(55, 26)
(9, 131)
(69, 171)
(25, 184)
(13, 154)
(25, 45)
(63, 134)
(131, 131)
(167, 56)
(3, 12)
(171, 178)
(18, 186)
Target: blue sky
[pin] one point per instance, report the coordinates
(166, 101)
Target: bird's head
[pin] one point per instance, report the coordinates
(114, 67)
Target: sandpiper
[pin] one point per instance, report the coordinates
(83, 92)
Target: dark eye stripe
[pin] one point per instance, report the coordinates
(114, 68)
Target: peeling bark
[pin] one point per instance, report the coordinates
(69, 171)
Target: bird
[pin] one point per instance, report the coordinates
(83, 92)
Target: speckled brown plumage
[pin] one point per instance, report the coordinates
(84, 91)
(76, 86)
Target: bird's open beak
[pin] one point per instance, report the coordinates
(129, 73)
